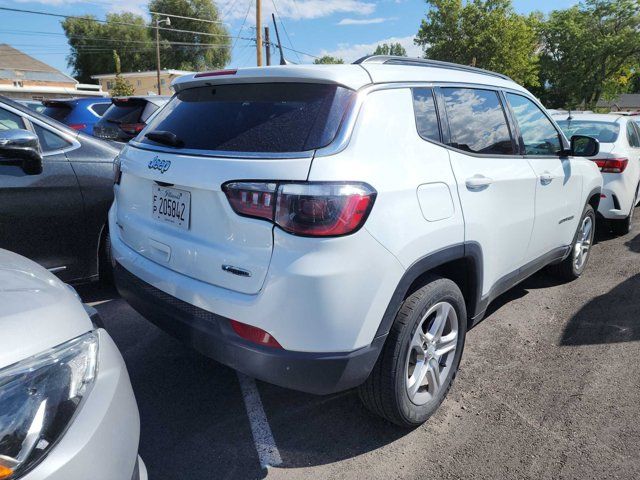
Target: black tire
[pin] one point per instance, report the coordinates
(568, 269)
(385, 392)
(105, 263)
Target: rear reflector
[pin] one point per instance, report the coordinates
(78, 126)
(254, 334)
(312, 209)
(612, 165)
(216, 73)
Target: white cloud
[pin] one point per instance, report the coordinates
(350, 52)
(294, 9)
(362, 21)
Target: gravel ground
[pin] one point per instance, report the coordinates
(549, 388)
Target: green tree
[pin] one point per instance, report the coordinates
(483, 33)
(326, 59)
(188, 51)
(390, 49)
(589, 51)
(91, 44)
(122, 88)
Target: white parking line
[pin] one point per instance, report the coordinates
(262, 437)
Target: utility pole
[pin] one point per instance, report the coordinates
(267, 44)
(158, 23)
(258, 33)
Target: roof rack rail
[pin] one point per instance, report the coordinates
(425, 62)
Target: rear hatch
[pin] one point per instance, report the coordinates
(171, 206)
(57, 109)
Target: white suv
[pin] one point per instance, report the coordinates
(327, 227)
(618, 160)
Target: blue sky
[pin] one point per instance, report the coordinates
(345, 28)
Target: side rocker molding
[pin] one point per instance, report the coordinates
(471, 252)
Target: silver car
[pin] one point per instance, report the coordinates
(67, 410)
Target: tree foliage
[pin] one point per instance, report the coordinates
(91, 44)
(327, 59)
(122, 88)
(590, 51)
(212, 47)
(390, 49)
(483, 33)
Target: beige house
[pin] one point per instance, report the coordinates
(24, 77)
(144, 83)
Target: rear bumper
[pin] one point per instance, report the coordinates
(212, 335)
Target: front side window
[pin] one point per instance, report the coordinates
(10, 120)
(539, 135)
(424, 108)
(477, 121)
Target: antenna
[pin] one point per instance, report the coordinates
(283, 61)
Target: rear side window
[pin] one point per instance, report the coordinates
(632, 135)
(100, 108)
(57, 112)
(477, 121)
(272, 117)
(424, 107)
(539, 136)
(49, 141)
(10, 121)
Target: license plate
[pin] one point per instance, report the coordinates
(172, 206)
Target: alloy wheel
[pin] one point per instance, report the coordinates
(431, 353)
(583, 243)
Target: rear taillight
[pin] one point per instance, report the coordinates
(78, 126)
(254, 334)
(314, 209)
(132, 128)
(612, 165)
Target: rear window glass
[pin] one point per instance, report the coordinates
(124, 114)
(57, 112)
(275, 117)
(604, 132)
(424, 108)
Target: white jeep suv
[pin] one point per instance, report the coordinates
(328, 227)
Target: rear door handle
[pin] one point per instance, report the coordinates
(478, 182)
(546, 178)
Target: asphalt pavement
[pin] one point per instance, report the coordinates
(549, 388)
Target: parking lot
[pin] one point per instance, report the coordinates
(549, 387)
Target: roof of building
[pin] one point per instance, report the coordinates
(626, 100)
(17, 65)
(147, 73)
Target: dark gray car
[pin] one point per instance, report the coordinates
(127, 116)
(56, 186)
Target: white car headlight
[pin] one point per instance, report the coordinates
(39, 397)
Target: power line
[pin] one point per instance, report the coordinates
(242, 26)
(37, 12)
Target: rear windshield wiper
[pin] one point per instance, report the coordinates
(166, 138)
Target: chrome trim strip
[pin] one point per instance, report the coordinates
(222, 153)
(57, 269)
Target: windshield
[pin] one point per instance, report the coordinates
(273, 117)
(604, 132)
(124, 113)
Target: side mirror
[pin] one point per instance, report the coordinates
(22, 148)
(583, 146)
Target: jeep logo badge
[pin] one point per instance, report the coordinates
(158, 164)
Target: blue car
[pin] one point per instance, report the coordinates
(78, 113)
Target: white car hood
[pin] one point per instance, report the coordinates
(37, 310)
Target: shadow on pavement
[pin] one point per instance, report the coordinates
(634, 244)
(610, 318)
